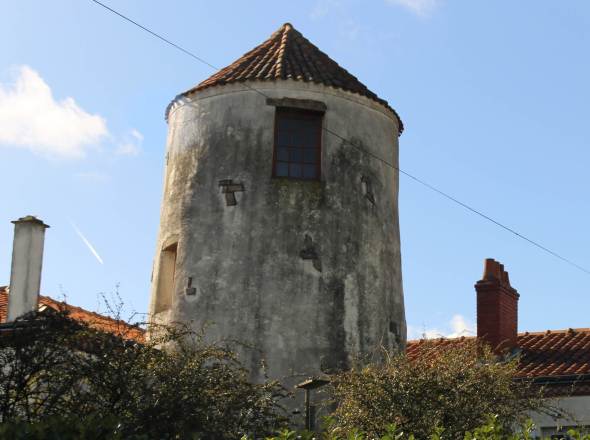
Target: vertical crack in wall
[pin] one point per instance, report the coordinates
(368, 189)
(337, 360)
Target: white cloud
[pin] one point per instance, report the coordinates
(31, 118)
(458, 326)
(422, 8)
(131, 145)
(461, 327)
(415, 332)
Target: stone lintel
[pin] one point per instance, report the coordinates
(303, 104)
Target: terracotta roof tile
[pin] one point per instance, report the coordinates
(95, 320)
(289, 55)
(3, 303)
(552, 353)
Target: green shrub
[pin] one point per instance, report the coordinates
(493, 429)
(63, 379)
(453, 387)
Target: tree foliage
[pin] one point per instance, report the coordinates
(62, 379)
(61, 373)
(454, 387)
(493, 429)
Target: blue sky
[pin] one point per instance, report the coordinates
(494, 97)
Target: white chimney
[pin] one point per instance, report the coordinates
(25, 272)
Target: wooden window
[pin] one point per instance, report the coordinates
(166, 278)
(297, 147)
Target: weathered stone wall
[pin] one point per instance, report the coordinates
(308, 272)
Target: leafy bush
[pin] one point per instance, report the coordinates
(61, 379)
(56, 428)
(58, 374)
(493, 429)
(453, 387)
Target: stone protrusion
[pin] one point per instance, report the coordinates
(309, 252)
(229, 188)
(190, 290)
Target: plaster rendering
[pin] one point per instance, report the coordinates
(27, 262)
(307, 272)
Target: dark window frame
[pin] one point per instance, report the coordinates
(306, 115)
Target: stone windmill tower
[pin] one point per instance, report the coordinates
(273, 230)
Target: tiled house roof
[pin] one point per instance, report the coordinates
(3, 303)
(558, 357)
(555, 353)
(94, 320)
(542, 354)
(289, 55)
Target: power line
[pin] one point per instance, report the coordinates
(414, 178)
(165, 40)
(464, 205)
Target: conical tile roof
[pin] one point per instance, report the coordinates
(289, 55)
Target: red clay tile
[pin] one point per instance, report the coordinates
(544, 354)
(289, 55)
(94, 320)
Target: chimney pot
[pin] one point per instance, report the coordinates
(27, 261)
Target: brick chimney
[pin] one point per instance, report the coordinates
(497, 308)
(25, 272)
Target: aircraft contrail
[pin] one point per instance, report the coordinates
(86, 242)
